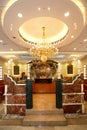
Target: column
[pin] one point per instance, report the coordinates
(28, 71)
(84, 71)
(82, 97)
(59, 89)
(9, 66)
(59, 71)
(29, 96)
(79, 66)
(5, 105)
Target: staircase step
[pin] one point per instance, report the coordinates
(44, 117)
(43, 112)
(44, 120)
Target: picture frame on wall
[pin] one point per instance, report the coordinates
(16, 70)
(70, 69)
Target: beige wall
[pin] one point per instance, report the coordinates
(84, 60)
(23, 67)
(4, 64)
(76, 64)
(75, 68)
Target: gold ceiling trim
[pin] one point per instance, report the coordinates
(8, 5)
(80, 5)
(34, 43)
(55, 29)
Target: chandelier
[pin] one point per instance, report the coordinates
(44, 50)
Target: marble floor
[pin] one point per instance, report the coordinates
(69, 127)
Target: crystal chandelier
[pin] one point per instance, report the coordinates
(44, 50)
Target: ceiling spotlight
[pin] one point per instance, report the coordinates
(11, 49)
(85, 40)
(1, 41)
(48, 8)
(39, 8)
(66, 14)
(20, 15)
(72, 36)
(74, 49)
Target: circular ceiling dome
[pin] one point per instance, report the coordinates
(31, 30)
(47, 13)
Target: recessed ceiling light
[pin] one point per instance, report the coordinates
(85, 40)
(72, 36)
(66, 14)
(1, 41)
(74, 48)
(48, 8)
(11, 49)
(20, 15)
(39, 8)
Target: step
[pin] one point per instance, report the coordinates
(46, 112)
(44, 120)
(44, 117)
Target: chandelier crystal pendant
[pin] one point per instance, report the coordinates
(44, 50)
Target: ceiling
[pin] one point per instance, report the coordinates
(65, 22)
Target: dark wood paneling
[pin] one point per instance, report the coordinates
(44, 87)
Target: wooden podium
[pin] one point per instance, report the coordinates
(44, 86)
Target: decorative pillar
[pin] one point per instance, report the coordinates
(5, 105)
(59, 71)
(84, 72)
(29, 100)
(82, 98)
(58, 93)
(28, 71)
(59, 89)
(8, 67)
(79, 66)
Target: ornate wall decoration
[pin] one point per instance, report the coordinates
(41, 69)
